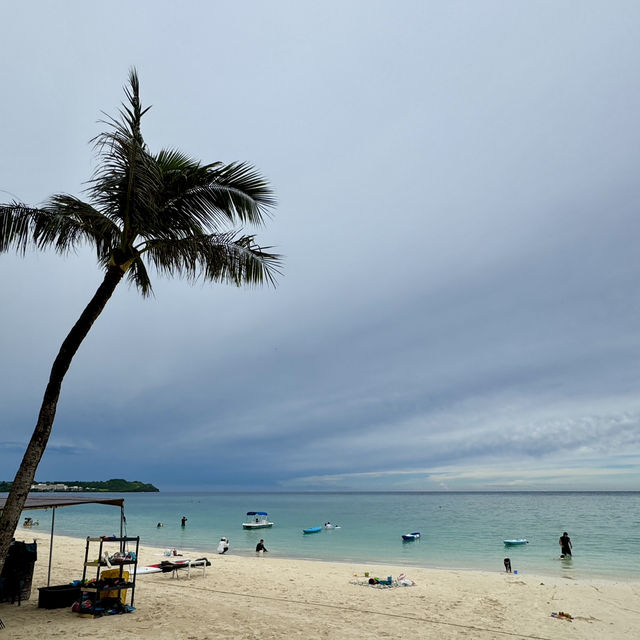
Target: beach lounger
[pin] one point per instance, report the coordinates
(174, 567)
(199, 563)
(166, 566)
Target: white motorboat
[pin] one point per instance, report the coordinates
(257, 520)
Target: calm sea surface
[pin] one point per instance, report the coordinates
(459, 530)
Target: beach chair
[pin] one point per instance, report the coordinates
(174, 567)
(167, 566)
(199, 563)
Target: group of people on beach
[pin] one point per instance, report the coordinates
(223, 546)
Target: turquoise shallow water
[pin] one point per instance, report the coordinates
(459, 530)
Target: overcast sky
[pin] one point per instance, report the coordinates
(458, 197)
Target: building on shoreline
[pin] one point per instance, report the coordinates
(41, 486)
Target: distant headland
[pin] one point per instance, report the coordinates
(115, 485)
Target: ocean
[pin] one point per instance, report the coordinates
(458, 530)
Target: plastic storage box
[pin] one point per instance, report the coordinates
(57, 597)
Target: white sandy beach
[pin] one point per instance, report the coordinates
(273, 597)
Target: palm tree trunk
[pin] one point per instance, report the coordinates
(38, 443)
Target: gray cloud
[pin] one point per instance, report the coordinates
(458, 210)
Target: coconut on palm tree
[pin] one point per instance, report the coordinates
(165, 211)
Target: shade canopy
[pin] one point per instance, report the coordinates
(55, 502)
(49, 502)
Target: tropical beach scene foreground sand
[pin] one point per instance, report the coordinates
(277, 597)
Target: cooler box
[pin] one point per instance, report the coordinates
(58, 597)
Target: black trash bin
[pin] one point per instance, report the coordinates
(17, 573)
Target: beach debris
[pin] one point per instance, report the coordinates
(562, 615)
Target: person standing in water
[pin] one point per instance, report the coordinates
(565, 544)
(184, 521)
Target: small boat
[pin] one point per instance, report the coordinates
(257, 520)
(328, 525)
(411, 536)
(312, 530)
(515, 541)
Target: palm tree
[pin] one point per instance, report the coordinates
(166, 211)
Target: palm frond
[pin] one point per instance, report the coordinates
(126, 178)
(236, 192)
(78, 222)
(16, 220)
(64, 224)
(219, 257)
(242, 188)
(137, 275)
(174, 160)
(201, 199)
